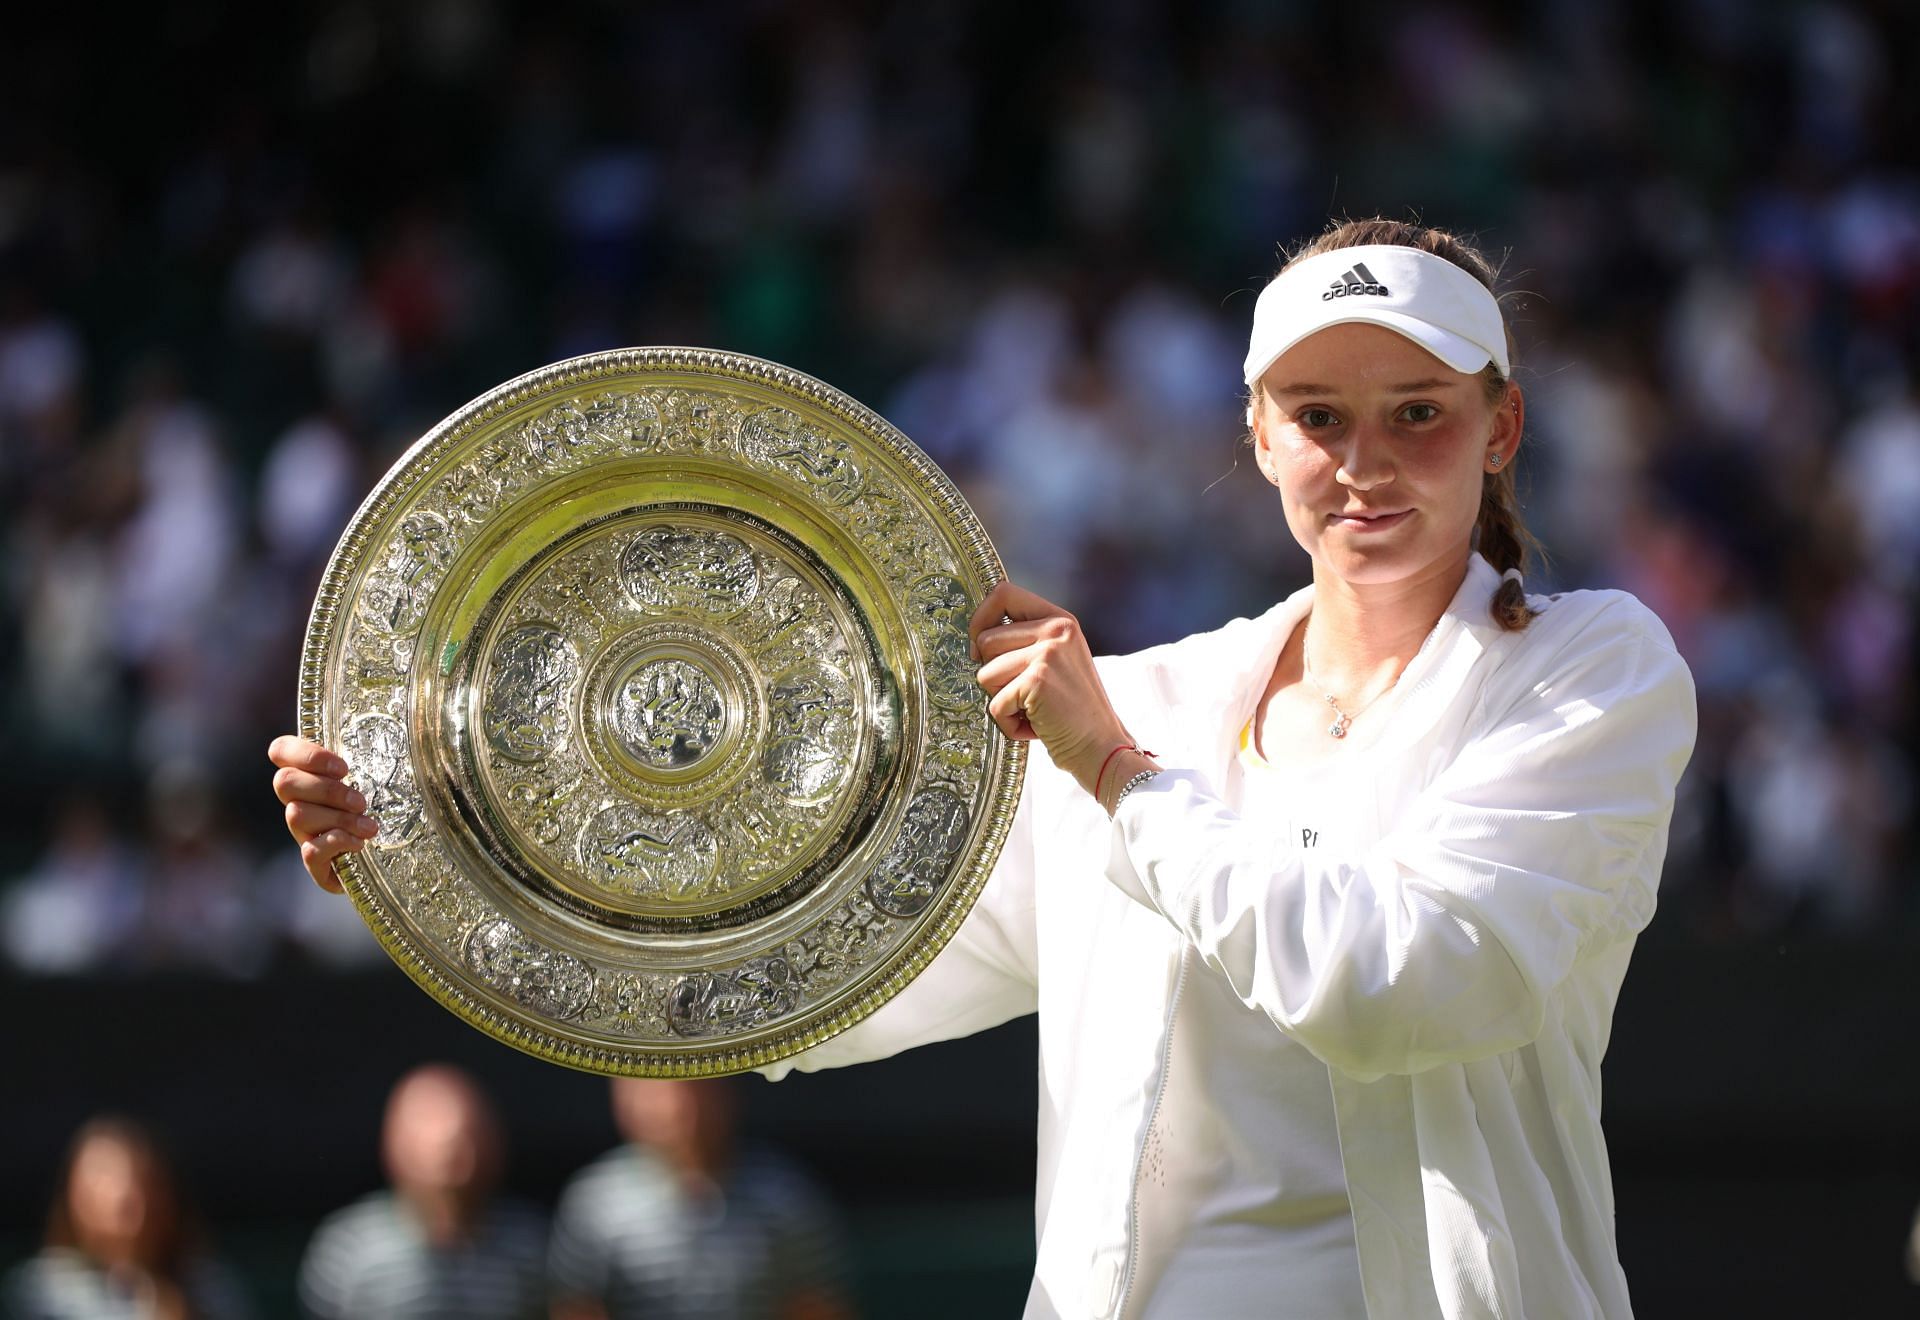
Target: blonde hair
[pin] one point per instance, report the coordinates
(1500, 535)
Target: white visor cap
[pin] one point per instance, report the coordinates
(1426, 298)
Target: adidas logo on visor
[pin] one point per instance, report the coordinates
(1356, 281)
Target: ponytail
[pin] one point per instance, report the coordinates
(1504, 542)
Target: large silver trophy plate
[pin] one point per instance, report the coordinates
(653, 667)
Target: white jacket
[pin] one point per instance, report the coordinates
(1457, 974)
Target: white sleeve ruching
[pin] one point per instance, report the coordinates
(1541, 841)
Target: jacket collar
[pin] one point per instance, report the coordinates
(1437, 671)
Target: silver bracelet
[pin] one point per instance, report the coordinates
(1128, 787)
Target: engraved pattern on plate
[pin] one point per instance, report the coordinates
(580, 587)
(697, 420)
(525, 714)
(375, 748)
(794, 624)
(850, 936)
(373, 659)
(612, 422)
(916, 863)
(664, 706)
(650, 855)
(893, 528)
(705, 1003)
(631, 1004)
(434, 893)
(669, 713)
(664, 567)
(810, 733)
(782, 440)
(395, 594)
(539, 805)
(940, 610)
(551, 983)
(955, 751)
(762, 835)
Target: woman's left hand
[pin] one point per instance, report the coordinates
(1038, 673)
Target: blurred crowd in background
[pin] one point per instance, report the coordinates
(684, 1220)
(1031, 237)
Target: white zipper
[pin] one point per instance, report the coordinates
(1153, 1116)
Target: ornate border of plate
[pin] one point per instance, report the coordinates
(399, 639)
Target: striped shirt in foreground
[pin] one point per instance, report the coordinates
(372, 1261)
(631, 1236)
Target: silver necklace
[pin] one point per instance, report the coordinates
(1338, 729)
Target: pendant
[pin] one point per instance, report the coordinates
(1338, 728)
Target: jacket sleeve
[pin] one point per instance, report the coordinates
(985, 976)
(1541, 841)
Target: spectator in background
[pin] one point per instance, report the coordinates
(308, 485)
(180, 539)
(201, 910)
(439, 1243)
(683, 1222)
(79, 908)
(42, 369)
(121, 1245)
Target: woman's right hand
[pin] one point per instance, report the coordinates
(323, 811)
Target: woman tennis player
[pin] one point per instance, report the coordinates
(1324, 913)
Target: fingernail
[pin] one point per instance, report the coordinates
(356, 801)
(367, 825)
(336, 766)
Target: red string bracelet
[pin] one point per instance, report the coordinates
(1123, 747)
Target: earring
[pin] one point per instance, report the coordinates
(1496, 460)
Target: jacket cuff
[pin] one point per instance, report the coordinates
(1154, 852)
